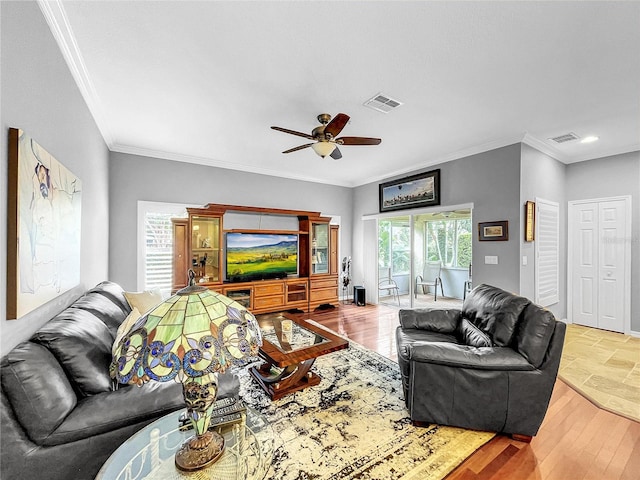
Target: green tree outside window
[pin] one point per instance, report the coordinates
(449, 241)
(394, 246)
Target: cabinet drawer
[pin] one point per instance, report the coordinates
(324, 294)
(324, 283)
(268, 302)
(268, 289)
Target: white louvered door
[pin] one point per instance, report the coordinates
(547, 253)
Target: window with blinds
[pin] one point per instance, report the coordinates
(547, 249)
(155, 233)
(158, 252)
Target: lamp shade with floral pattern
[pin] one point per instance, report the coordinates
(189, 338)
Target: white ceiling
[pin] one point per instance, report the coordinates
(202, 82)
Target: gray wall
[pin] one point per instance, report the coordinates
(134, 178)
(610, 177)
(542, 177)
(489, 180)
(40, 96)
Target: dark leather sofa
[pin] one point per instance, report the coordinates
(490, 366)
(61, 415)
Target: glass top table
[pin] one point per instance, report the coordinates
(149, 454)
(291, 338)
(290, 346)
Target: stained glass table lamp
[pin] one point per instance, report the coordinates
(190, 338)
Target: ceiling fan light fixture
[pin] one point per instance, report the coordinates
(325, 136)
(323, 148)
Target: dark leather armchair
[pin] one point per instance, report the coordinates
(490, 366)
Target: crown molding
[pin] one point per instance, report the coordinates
(56, 17)
(527, 139)
(57, 20)
(466, 152)
(209, 162)
(543, 147)
(568, 159)
(606, 153)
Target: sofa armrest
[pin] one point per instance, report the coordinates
(440, 320)
(465, 356)
(99, 414)
(105, 412)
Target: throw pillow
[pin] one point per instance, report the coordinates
(144, 301)
(432, 319)
(81, 342)
(495, 312)
(472, 335)
(125, 327)
(39, 393)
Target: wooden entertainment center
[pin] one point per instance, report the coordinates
(198, 243)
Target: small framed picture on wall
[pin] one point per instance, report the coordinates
(493, 231)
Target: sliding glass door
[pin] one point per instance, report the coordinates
(441, 255)
(394, 259)
(414, 250)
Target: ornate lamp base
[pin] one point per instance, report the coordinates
(200, 451)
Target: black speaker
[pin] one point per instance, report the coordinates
(359, 296)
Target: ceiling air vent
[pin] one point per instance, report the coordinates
(382, 103)
(567, 137)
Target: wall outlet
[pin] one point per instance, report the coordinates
(491, 259)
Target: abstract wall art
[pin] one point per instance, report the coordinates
(44, 224)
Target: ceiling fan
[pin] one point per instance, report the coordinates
(451, 214)
(325, 135)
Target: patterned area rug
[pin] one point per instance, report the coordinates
(354, 425)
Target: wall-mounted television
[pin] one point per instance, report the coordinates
(260, 256)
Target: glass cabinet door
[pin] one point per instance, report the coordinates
(205, 248)
(242, 295)
(320, 248)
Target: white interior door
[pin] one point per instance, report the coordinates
(584, 218)
(611, 259)
(600, 258)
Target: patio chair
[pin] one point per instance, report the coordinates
(468, 285)
(430, 278)
(388, 284)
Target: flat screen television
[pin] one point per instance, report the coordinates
(260, 256)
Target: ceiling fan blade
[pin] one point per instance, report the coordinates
(358, 141)
(336, 155)
(335, 126)
(293, 132)
(295, 149)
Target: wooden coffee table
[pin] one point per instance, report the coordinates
(288, 357)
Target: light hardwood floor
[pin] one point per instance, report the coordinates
(577, 440)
